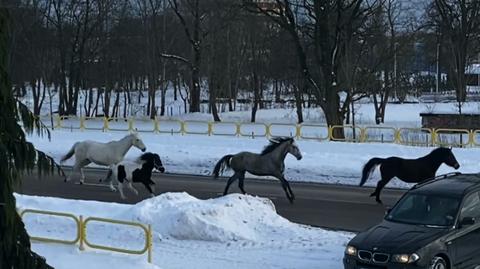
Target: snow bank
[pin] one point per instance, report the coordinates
(238, 231)
(230, 218)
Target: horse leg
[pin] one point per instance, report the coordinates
(230, 181)
(83, 164)
(82, 178)
(150, 189)
(240, 182)
(120, 190)
(112, 188)
(130, 186)
(286, 188)
(108, 178)
(75, 169)
(380, 185)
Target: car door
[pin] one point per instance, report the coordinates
(467, 237)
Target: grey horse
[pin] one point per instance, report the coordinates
(270, 162)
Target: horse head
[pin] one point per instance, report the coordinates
(157, 163)
(294, 149)
(153, 160)
(137, 142)
(448, 157)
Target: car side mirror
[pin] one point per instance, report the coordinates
(467, 221)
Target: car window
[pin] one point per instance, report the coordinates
(425, 209)
(471, 206)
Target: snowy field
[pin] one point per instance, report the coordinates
(234, 231)
(325, 162)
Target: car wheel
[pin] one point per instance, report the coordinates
(438, 263)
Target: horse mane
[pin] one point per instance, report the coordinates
(439, 152)
(145, 157)
(274, 143)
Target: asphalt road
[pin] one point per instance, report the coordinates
(330, 206)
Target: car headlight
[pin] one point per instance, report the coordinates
(405, 258)
(351, 250)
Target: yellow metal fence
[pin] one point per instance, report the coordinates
(359, 134)
(82, 235)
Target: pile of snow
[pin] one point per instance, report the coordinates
(234, 229)
(185, 217)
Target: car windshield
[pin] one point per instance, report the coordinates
(425, 209)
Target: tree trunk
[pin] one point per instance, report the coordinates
(256, 94)
(298, 101)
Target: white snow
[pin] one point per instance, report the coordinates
(326, 162)
(234, 231)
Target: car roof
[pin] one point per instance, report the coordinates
(449, 185)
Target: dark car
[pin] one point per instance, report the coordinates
(434, 225)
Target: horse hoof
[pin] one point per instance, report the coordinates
(379, 202)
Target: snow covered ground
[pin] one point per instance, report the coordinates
(234, 231)
(396, 115)
(326, 162)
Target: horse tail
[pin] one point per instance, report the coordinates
(69, 154)
(221, 165)
(368, 169)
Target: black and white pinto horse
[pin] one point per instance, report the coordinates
(270, 162)
(127, 172)
(105, 154)
(408, 170)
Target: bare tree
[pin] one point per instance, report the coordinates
(459, 23)
(325, 27)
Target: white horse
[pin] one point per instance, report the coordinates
(106, 154)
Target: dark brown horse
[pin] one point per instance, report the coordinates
(408, 170)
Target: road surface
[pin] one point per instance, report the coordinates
(329, 206)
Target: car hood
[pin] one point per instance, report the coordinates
(391, 237)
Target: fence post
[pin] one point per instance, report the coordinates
(471, 138)
(397, 136)
(298, 131)
(105, 123)
(81, 230)
(156, 125)
(58, 120)
(150, 243)
(434, 137)
(182, 127)
(82, 123)
(237, 131)
(130, 124)
(363, 135)
(210, 128)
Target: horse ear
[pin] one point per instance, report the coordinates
(273, 140)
